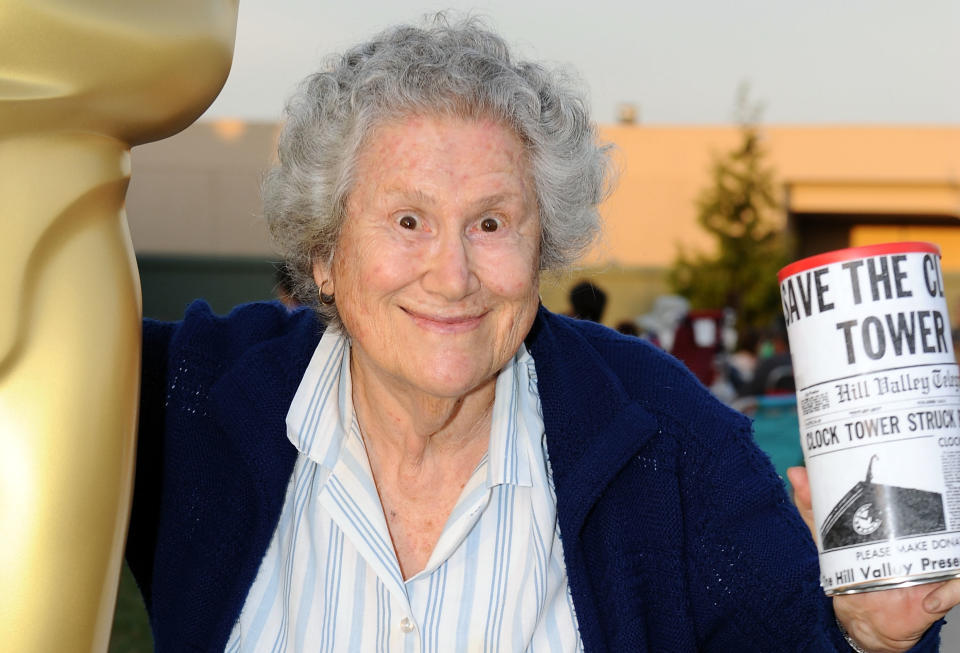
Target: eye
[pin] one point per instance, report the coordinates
(408, 221)
(489, 225)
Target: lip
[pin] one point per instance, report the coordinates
(446, 323)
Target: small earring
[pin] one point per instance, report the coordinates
(325, 299)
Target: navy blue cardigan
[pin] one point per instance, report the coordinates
(677, 534)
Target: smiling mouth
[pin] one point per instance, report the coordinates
(446, 323)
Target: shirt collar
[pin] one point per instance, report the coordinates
(508, 453)
(321, 412)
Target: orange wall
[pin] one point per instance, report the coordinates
(826, 169)
(198, 193)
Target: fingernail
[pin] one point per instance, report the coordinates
(931, 604)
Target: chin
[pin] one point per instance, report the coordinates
(454, 385)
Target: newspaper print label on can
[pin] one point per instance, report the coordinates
(878, 401)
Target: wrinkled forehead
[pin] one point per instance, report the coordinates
(375, 133)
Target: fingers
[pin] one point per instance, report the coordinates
(801, 484)
(942, 598)
(889, 620)
(801, 495)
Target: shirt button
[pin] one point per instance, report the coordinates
(406, 625)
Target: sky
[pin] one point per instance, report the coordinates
(678, 61)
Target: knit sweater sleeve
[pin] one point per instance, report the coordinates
(678, 535)
(754, 570)
(146, 499)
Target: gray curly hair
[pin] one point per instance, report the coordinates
(463, 70)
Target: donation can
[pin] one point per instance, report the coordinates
(878, 402)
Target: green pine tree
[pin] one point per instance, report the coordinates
(739, 211)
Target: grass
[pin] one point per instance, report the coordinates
(131, 629)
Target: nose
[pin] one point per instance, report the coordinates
(450, 272)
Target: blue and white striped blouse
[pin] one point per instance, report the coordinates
(330, 580)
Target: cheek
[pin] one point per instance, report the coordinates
(383, 261)
(512, 274)
(366, 275)
(352, 263)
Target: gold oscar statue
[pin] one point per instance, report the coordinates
(81, 81)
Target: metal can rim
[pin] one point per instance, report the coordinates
(895, 582)
(850, 253)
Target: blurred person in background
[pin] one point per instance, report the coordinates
(427, 458)
(742, 361)
(773, 372)
(587, 302)
(628, 328)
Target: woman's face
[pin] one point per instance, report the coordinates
(435, 271)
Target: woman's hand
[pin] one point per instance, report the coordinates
(889, 620)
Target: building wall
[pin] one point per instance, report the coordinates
(870, 183)
(197, 195)
(902, 172)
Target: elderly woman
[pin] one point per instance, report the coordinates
(432, 461)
